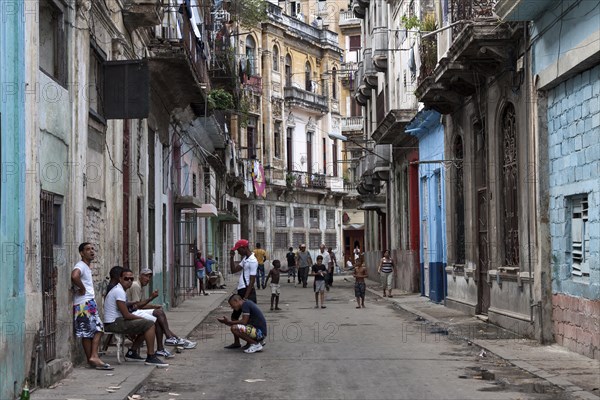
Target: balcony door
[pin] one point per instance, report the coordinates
(309, 158)
(288, 71)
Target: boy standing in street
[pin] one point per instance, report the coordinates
(319, 270)
(291, 262)
(360, 274)
(275, 274)
(261, 256)
(88, 325)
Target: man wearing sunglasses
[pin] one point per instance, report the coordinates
(118, 319)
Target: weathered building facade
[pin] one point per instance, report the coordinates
(118, 149)
(566, 118)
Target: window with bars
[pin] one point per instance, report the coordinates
(260, 238)
(580, 236)
(298, 238)
(298, 217)
(313, 214)
(314, 240)
(280, 216)
(194, 185)
(280, 241)
(330, 219)
(260, 213)
(331, 240)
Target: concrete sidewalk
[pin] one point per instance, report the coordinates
(89, 384)
(575, 373)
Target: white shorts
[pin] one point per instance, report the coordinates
(146, 314)
(275, 288)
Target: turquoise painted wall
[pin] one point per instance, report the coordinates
(12, 204)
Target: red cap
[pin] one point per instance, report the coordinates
(240, 243)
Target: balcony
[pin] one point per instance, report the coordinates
(481, 49)
(303, 98)
(391, 129)
(370, 76)
(358, 9)
(178, 66)
(352, 124)
(141, 13)
(302, 179)
(253, 83)
(348, 20)
(383, 161)
(297, 28)
(347, 73)
(380, 48)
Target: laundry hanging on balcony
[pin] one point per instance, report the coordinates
(258, 177)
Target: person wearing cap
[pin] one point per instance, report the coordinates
(304, 262)
(145, 309)
(245, 288)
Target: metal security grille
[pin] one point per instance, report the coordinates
(48, 275)
(298, 239)
(314, 240)
(510, 178)
(281, 241)
(298, 217)
(280, 217)
(185, 253)
(330, 216)
(314, 218)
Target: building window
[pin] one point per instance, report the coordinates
(194, 184)
(330, 218)
(260, 213)
(313, 215)
(53, 41)
(95, 87)
(207, 187)
(250, 56)
(307, 77)
(251, 138)
(355, 43)
(298, 217)
(298, 238)
(510, 180)
(334, 157)
(288, 71)
(314, 240)
(276, 58)
(290, 149)
(580, 236)
(331, 240)
(277, 139)
(280, 241)
(280, 217)
(260, 238)
(459, 202)
(334, 84)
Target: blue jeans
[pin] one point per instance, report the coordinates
(260, 276)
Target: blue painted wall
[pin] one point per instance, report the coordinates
(574, 163)
(12, 195)
(430, 132)
(553, 36)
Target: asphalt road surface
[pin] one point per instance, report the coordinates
(340, 352)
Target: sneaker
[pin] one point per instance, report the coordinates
(132, 355)
(253, 348)
(188, 344)
(164, 353)
(155, 361)
(172, 341)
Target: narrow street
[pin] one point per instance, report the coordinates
(380, 352)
